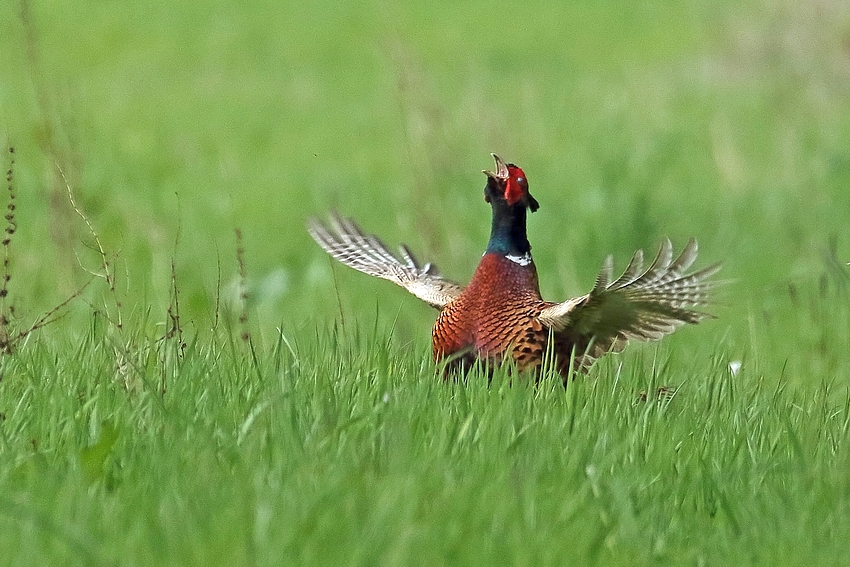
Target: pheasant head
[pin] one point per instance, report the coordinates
(508, 185)
(507, 193)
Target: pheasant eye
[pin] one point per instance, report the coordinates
(520, 180)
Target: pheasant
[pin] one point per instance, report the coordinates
(500, 315)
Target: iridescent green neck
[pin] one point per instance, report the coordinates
(507, 235)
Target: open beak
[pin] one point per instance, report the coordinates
(501, 169)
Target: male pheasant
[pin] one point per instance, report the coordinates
(500, 314)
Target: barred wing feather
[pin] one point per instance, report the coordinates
(343, 239)
(640, 305)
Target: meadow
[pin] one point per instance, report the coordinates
(187, 379)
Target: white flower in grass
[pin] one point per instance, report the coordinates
(735, 367)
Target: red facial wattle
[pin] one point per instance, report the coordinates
(516, 186)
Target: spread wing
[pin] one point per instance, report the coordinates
(343, 239)
(639, 305)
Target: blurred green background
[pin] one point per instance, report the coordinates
(178, 122)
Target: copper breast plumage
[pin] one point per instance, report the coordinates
(495, 316)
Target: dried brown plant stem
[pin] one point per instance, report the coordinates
(107, 274)
(9, 338)
(245, 333)
(175, 329)
(6, 309)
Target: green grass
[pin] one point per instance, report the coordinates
(346, 450)
(327, 437)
